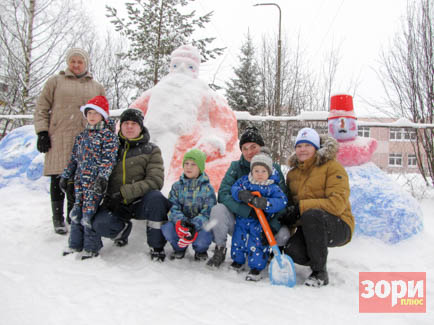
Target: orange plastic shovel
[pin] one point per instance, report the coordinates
(281, 270)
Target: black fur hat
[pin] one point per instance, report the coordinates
(251, 134)
(133, 114)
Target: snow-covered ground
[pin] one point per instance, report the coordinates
(122, 286)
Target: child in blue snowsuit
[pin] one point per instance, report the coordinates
(192, 198)
(92, 160)
(248, 239)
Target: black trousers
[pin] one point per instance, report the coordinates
(153, 207)
(56, 193)
(319, 230)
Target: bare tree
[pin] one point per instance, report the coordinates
(407, 76)
(34, 36)
(297, 91)
(111, 67)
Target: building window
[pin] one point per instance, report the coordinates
(401, 134)
(411, 161)
(395, 160)
(410, 134)
(364, 131)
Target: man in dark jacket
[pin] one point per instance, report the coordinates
(134, 188)
(223, 213)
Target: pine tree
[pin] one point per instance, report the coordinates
(155, 28)
(243, 92)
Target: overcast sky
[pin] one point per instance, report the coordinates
(359, 28)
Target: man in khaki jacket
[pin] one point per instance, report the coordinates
(134, 188)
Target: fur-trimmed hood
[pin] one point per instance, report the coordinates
(328, 150)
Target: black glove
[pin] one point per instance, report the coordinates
(245, 196)
(43, 144)
(100, 185)
(264, 240)
(191, 228)
(259, 202)
(292, 215)
(114, 203)
(63, 184)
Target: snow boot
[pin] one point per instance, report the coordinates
(236, 267)
(202, 256)
(177, 255)
(87, 254)
(122, 238)
(69, 251)
(254, 275)
(158, 254)
(218, 257)
(317, 279)
(58, 220)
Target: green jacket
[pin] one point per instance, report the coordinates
(236, 170)
(139, 168)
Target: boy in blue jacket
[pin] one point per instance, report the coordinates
(249, 240)
(192, 198)
(92, 160)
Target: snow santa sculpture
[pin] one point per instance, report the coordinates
(380, 206)
(182, 112)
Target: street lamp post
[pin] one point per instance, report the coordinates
(279, 50)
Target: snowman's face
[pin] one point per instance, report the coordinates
(184, 66)
(343, 128)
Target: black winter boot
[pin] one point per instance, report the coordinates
(122, 238)
(58, 221)
(218, 257)
(158, 254)
(317, 279)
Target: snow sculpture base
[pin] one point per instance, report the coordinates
(19, 160)
(356, 152)
(381, 208)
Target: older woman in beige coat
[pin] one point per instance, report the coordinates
(58, 121)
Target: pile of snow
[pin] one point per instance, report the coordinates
(122, 285)
(20, 162)
(381, 208)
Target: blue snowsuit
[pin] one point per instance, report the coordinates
(248, 237)
(191, 199)
(93, 155)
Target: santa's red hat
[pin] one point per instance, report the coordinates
(187, 52)
(99, 104)
(341, 105)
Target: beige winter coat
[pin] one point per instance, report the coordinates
(58, 112)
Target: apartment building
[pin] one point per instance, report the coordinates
(396, 146)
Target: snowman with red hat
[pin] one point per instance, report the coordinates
(382, 209)
(342, 125)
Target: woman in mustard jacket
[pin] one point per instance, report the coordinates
(321, 214)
